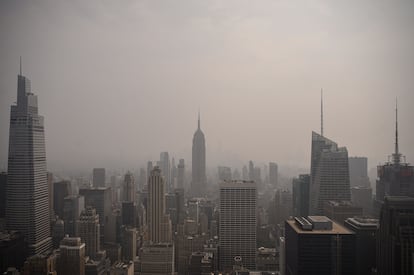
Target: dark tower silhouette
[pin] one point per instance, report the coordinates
(198, 162)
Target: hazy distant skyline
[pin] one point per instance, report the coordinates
(118, 82)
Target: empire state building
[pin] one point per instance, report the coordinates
(198, 162)
(27, 207)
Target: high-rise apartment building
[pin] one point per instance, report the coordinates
(237, 228)
(98, 177)
(315, 245)
(88, 230)
(198, 162)
(395, 239)
(27, 206)
(329, 173)
(159, 223)
(71, 258)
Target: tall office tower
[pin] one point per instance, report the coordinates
(362, 197)
(317, 246)
(251, 170)
(237, 228)
(395, 178)
(159, 223)
(71, 259)
(88, 230)
(395, 239)
(27, 206)
(181, 174)
(300, 195)
(61, 190)
(198, 162)
(358, 172)
(142, 180)
(283, 205)
(72, 208)
(149, 169)
(128, 188)
(273, 174)
(165, 167)
(173, 174)
(224, 173)
(365, 233)
(329, 173)
(98, 177)
(100, 199)
(3, 194)
(129, 243)
(58, 232)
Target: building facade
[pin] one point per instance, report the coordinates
(198, 162)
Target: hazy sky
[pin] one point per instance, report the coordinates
(120, 81)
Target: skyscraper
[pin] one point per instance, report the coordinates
(88, 230)
(198, 161)
(128, 188)
(27, 207)
(395, 239)
(318, 246)
(395, 178)
(181, 174)
(159, 223)
(300, 196)
(237, 229)
(98, 177)
(71, 259)
(165, 167)
(329, 173)
(358, 172)
(273, 174)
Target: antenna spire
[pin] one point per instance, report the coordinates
(199, 118)
(396, 155)
(321, 112)
(20, 65)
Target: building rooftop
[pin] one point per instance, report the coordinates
(335, 228)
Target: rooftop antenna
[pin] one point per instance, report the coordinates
(321, 112)
(20, 65)
(397, 155)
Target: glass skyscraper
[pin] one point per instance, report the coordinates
(27, 207)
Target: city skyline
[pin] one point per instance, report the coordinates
(247, 96)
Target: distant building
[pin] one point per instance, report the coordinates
(273, 174)
(61, 190)
(283, 205)
(159, 223)
(27, 202)
(198, 162)
(224, 173)
(339, 211)
(300, 196)
(267, 259)
(128, 243)
(72, 208)
(238, 220)
(157, 259)
(3, 196)
(98, 177)
(89, 232)
(181, 174)
(318, 246)
(329, 173)
(165, 167)
(71, 258)
(365, 233)
(395, 237)
(58, 232)
(128, 188)
(362, 197)
(122, 268)
(358, 172)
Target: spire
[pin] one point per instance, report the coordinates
(396, 155)
(20, 65)
(321, 112)
(198, 118)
